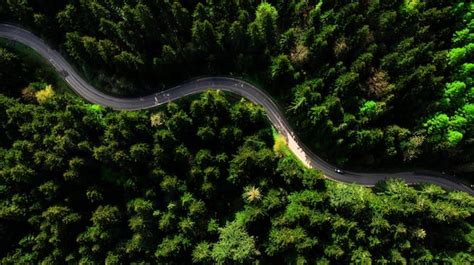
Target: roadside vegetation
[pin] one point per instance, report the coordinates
(280, 145)
(20, 63)
(367, 83)
(198, 181)
(206, 179)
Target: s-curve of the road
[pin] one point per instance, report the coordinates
(234, 85)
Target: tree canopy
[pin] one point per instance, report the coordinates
(204, 180)
(197, 181)
(327, 62)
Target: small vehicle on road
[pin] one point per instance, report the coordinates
(339, 171)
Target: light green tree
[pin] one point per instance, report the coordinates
(235, 245)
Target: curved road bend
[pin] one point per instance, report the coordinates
(237, 86)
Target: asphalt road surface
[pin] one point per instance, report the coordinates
(234, 85)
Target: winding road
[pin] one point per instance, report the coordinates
(233, 85)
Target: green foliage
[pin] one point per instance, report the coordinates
(22, 68)
(197, 181)
(266, 17)
(454, 137)
(411, 5)
(322, 61)
(202, 252)
(234, 245)
(281, 69)
(100, 186)
(368, 109)
(451, 129)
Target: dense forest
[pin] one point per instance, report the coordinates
(203, 180)
(378, 83)
(197, 181)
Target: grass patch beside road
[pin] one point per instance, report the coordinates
(280, 146)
